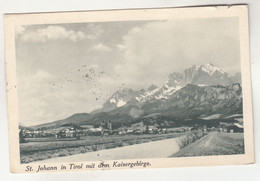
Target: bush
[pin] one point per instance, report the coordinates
(185, 140)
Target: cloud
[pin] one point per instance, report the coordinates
(50, 33)
(94, 31)
(152, 51)
(45, 96)
(102, 47)
(40, 100)
(120, 46)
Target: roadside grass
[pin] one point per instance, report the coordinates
(187, 139)
(42, 150)
(214, 143)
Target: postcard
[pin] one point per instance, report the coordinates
(129, 89)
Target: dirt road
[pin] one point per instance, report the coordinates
(215, 143)
(155, 149)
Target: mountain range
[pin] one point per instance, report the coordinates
(204, 75)
(197, 91)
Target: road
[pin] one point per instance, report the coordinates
(155, 149)
(215, 143)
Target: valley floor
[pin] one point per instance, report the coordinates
(154, 149)
(214, 143)
(36, 149)
(115, 147)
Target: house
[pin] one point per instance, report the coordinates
(37, 133)
(121, 131)
(28, 134)
(109, 125)
(222, 129)
(96, 131)
(84, 130)
(137, 131)
(70, 133)
(129, 131)
(60, 134)
(162, 130)
(138, 127)
(152, 129)
(235, 128)
(141, 127)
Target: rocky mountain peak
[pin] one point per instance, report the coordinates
(200, 75)
(152, 87)
(210, 69)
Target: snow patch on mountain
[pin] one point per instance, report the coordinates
(112, 100)
(214, 116)
(160, 96)
(171, 90)
(210, 69)
(147, 94)
(120, 103)
(167, 92)
(201, 85)
(200, 75)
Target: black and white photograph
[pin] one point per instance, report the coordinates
(129, 89)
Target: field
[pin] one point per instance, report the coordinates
(45, 148)
(214, 143)
(195, 143)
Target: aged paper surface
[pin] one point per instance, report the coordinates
(150, 88)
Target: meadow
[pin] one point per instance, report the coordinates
(36, 149)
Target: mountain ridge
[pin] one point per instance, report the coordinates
(190, 102)
(203, 75)
(198, 90)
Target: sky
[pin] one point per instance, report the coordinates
(63, 69)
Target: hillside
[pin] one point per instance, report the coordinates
(194, 100)
(72, 119)
(190, 102)
(197, 92)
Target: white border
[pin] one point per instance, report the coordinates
(240, 11)
(250, 172)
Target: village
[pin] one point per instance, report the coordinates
(71, 139)
(106, 128)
